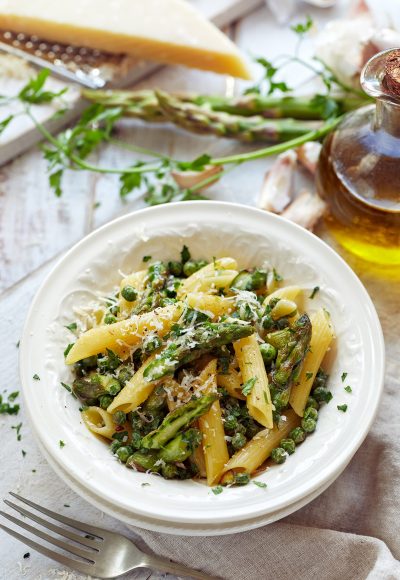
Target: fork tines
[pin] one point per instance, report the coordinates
(91, 538)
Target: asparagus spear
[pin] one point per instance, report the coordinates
(144, 104)
(292, 353)
(181, 446)
(249, 129)
(88, 390)
(193, 344)
(177, 420)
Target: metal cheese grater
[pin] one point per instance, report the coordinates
(93, 68)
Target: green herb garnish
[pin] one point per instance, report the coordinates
(348, 389)
(248, 386)
(342, 408)
(217, 489)
(259, 484)
(314, 292)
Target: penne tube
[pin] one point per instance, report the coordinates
(135, 391)
(203, 278)
(174, 391)
(321, 338)
(130, 332)
(99, 421)
(287, 293)
(252, 368)
(284, 307)
(210, 304)
(258, 449)
(214, 445)
(232, 382)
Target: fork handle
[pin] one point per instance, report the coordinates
(165, 565)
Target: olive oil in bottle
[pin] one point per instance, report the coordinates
(359, 168)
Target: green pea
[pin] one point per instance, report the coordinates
(136, 440)
(297, 434)
(119, 417)
(105, 401)
(278, 455)
(268, 352)
(109, 319)
(124, 452)
(267, 322)
(241, 478)
(238, 441)
(311, 402)
(129, 293)
(252, 428)
(288, 445)
(230, 423)
(309, 425)
(322, 395)
(175, 268)
(193, 266)
(115, 445)
(310, 412)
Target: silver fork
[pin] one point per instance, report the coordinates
(102, 553)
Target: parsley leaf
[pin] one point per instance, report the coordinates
(36, 377)
(66, 351)
(67, 387)
(260, 484)
(55, 182)
(5, 122)
(342, 408)
(185, 255)
(309, 376)
(343, 377)
(72, 327)
(146, 258)
(248, 386)
(61, 443)
(6, 408)
(302, 27)
(33, 92)
(314, 292)
(217, 489)
(348, 389)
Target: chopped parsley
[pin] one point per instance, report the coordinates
(33, 470)
(248, 386)
(348, 389)
(277, 277)
(67, 505)
(342, 408)
(6, 408)
(309, 376)
(96, 205)
(314, 292)
(66, 387)
(18, 343)
(146, 258)
(23, 453)
(26, 555)
(344, 375)
(260, 484)
(185, 255)
(17, 430)
(302, 28)
(61, 443)
(72, 327)
(146, 484)
(36, 377)
(66, 351)
(217, 489)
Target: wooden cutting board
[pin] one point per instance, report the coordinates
(14, 73)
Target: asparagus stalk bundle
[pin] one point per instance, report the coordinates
(247, 118)
(144, 104)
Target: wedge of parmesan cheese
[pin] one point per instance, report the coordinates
(167, 31)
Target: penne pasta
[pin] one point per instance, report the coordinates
(210, 304)
(252, 368)
(232, 382)
(258, 449)
(135, 391)
(203, 279)
(287, 293)
(214, 445)
(126, 332)
(321, 338)
(99, 421)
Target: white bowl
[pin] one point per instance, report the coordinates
(209, 229)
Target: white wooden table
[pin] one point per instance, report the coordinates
(36, 228)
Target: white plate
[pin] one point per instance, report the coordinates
(140, 522)
(209, 229)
